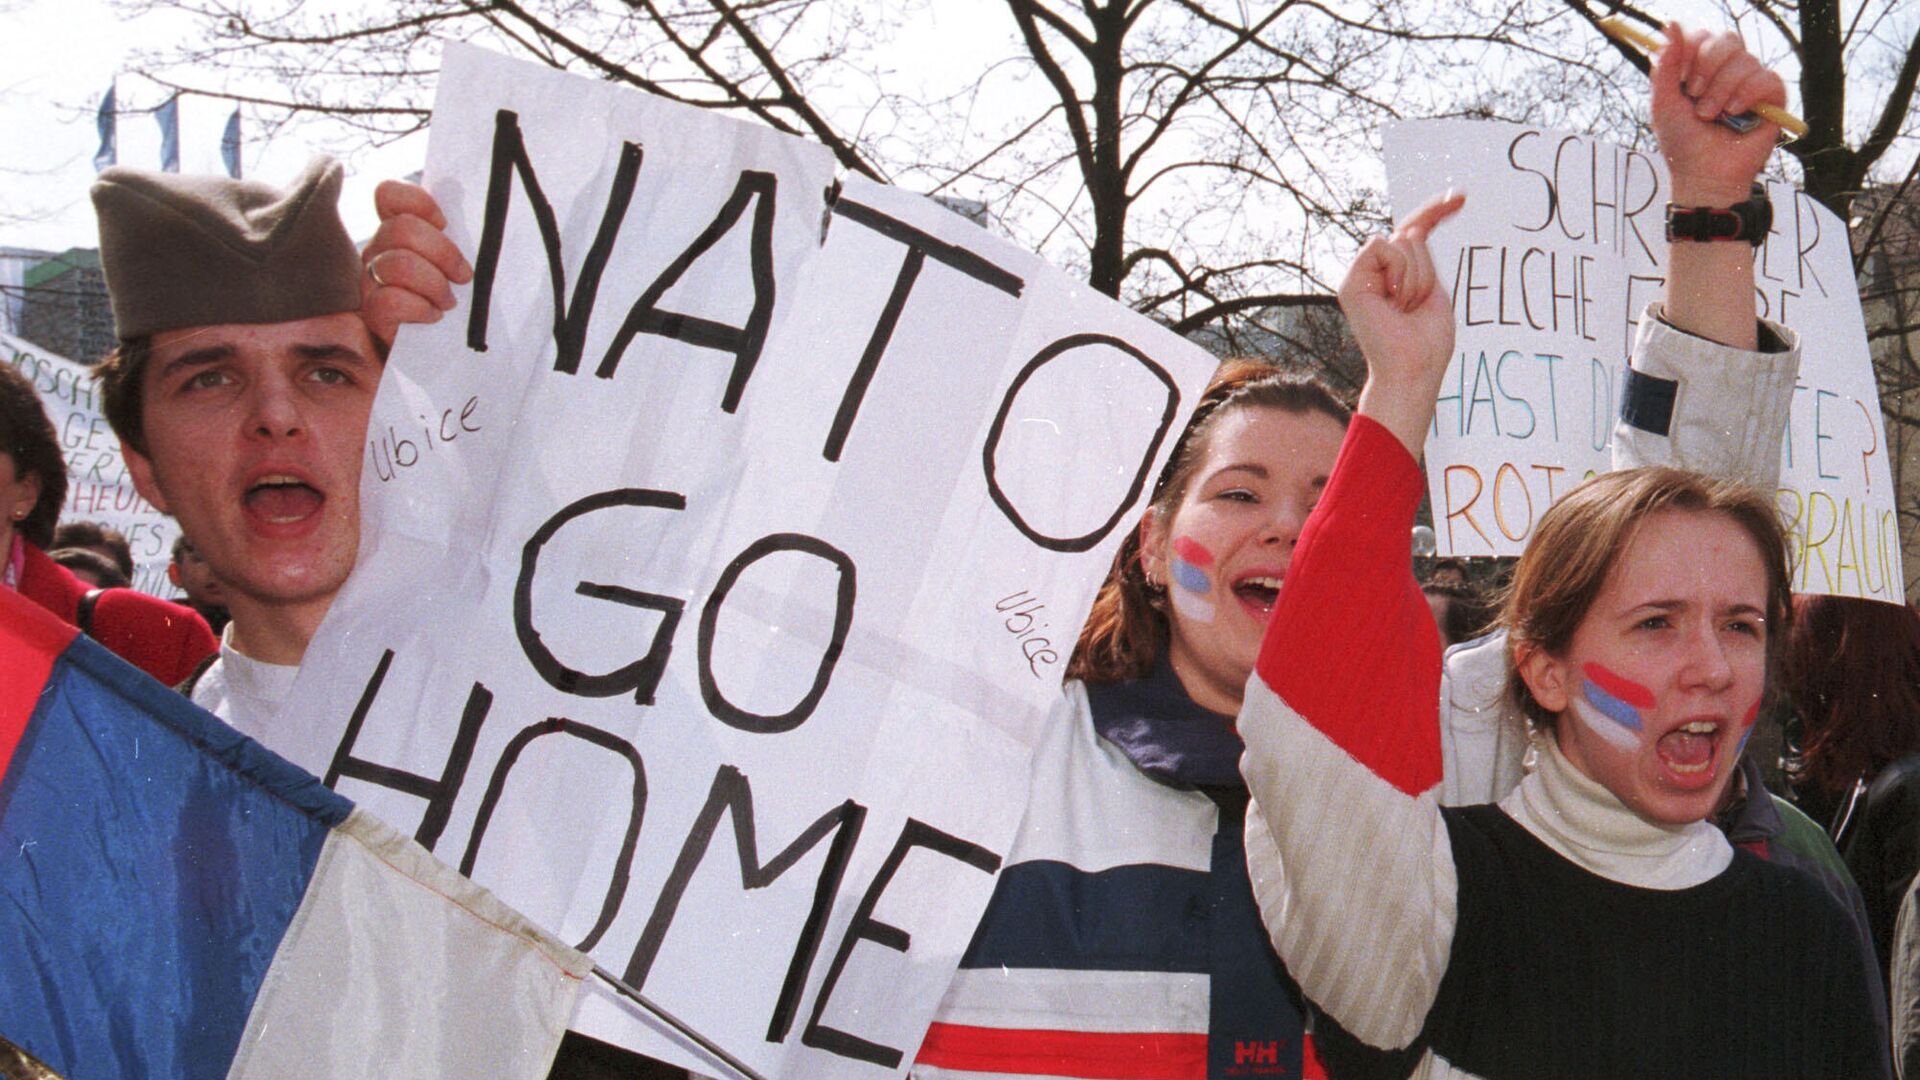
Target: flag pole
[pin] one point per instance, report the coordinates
(676, 1024)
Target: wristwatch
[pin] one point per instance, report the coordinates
(1747, 221)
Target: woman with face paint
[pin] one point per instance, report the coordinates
(1122, 938)
(1592, 922)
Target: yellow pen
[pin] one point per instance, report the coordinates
(1793, 126)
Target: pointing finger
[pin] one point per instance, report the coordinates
(1431, 213)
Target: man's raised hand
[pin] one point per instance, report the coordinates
(410, 267)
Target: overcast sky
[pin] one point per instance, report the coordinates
(61, 56)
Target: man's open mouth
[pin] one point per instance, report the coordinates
(281, 499)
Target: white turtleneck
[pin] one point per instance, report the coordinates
(1588, 825)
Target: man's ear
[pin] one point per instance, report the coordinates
(1547, 678)
(140, 467)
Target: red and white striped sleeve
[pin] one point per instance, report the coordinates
(1345, 844)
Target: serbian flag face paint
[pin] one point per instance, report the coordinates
(1610, 705)
(1192, 582)
(177, 901)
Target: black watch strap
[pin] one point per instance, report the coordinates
(1749, 221)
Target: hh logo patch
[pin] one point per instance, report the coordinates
(1256, 1053)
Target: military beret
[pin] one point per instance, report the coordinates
(181, 251)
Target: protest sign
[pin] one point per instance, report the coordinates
(98, 487)
(1550, 265)
(722, 554)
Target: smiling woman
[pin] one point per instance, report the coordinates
(1122, 938)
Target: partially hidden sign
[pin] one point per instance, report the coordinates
(723, 553)
(1554, 258)
(98, 485)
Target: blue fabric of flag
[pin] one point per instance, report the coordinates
(230, 144)
(105, 121)
(168, 116)
(151, 859)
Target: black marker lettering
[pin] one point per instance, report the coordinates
(640, 676)
(732, 715)
(990, 464)
(744, 342)
(732, 795)
(920, 247)
(439, 794)
(865, 927)
(569, 321)
(623, 863)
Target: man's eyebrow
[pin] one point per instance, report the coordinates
(330, 351)
(206, 354)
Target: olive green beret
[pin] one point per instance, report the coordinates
(183, 251)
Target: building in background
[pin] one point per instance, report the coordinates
(64, 306)
(14, 264)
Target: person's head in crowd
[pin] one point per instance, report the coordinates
(91, 567)
(242, 381)
(1644, 621)
(1853, 681)
(1196, 580)
(33, 471)
(189, 573)
(1449, 572)
(95, 536)
(1459, 611)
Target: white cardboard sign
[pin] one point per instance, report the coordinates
(98, 487)
(1556, 254)
(723, 552)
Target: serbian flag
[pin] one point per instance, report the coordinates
(175, 900)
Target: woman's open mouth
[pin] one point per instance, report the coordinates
(1689, 751)
(1257, 593)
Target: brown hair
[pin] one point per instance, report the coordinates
(1128, 629)
(1853, 675)
(97, 536)
(122, 378)
(27, 436)
(1580, 539)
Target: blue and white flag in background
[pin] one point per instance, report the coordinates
(230, 144)
(105, 156)
(168, 116)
